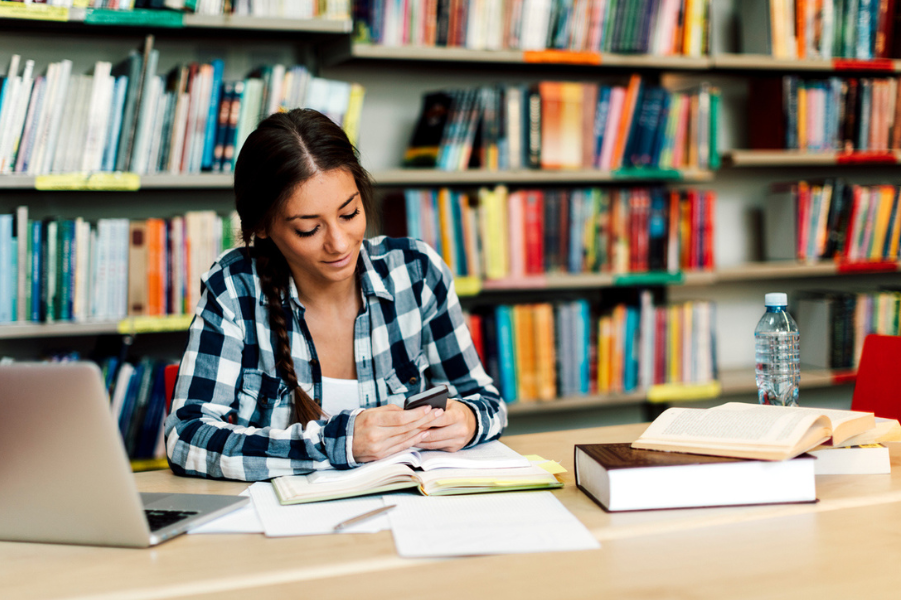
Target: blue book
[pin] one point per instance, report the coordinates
(115, 126)
(648, 124)
(634, 127)
(506, 351)
(866, 107)
(153, 417)
(411, 203)
(3, 89)
(864, 45)
(7, 282)
(14, 275)
(577, 208)
(630, 350)
(131, 396)
(660, 137)
(36, 249)
(600, 120)
(212, 119)
(584, 358)
(457, 199)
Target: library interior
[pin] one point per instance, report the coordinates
(610, 189)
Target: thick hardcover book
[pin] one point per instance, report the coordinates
(620, 478)
(429, 131)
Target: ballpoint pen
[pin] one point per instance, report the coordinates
(363, 517)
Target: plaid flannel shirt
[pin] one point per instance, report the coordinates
(232, 414)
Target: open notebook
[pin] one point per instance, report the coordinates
(491, 467)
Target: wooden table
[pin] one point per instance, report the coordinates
(848, 545)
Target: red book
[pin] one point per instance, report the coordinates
(643, 224)
(803, 218)
(534, 232)
(660, 345)
(475, 331)
(633, 230)
(694, 226)
(709, 211)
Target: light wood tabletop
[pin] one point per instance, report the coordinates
(846, 545)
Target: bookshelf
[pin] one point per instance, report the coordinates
(396, 76)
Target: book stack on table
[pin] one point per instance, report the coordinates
(733, 454)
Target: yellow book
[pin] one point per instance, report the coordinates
(351, 123)
(688, 359)
(687, 35)
(571, 126)
(604, 340)
(802, 118)
(492, 205)
(545, 353)
(880, 227)
(470, 225)
(674, 357)
(896, 231)
(446, 225)
(618, 346)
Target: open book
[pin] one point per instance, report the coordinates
(752, 430)
(491, 467)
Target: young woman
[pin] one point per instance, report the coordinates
(307, 341)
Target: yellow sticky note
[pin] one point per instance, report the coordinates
(551, 466)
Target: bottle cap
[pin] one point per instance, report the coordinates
(776, 299)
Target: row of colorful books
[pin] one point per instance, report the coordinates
(295, 9)
(498, 234)
(832, 219)
(73, 270)
(666, 27)
(858, 29)
(567, 125)
(844, 114)
(128, 118)
(544, 351)
(835, 323)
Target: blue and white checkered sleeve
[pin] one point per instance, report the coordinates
(201, 440)
(452, 355)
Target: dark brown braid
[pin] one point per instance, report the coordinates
(283, 152)
(273, 280)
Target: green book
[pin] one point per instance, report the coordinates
(714, 159)
(135, 18)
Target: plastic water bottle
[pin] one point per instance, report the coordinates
(778, 354)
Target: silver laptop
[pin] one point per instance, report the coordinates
(64, 472)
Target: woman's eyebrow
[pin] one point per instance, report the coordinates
(346, 202)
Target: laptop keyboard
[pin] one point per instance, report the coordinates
(161, 518)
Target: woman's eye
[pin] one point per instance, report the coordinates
(305, 233)
(351, 215)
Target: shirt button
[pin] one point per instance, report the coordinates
(413, 380)
(314, 362)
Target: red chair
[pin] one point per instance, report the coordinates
(170, 373)
(878, 386)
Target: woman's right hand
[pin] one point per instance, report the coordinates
(387, 430)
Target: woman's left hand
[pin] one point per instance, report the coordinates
(452, 430)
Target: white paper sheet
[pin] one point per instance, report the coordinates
(315, 518)
(242, 520)
(502, 523)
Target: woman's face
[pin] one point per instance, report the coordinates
(321, 228)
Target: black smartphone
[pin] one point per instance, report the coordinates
(435, 397)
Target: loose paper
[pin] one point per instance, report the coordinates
(500, 523)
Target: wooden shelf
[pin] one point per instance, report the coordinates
(170, 19)
(552, 57)
(130, 325)
(798, 158)
(763, 62)
(227, 22)
(405, 177)
(734, 382)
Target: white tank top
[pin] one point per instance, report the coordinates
(339, 394)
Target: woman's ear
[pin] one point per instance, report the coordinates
(261, 234)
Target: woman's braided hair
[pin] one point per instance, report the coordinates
(284, 152)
